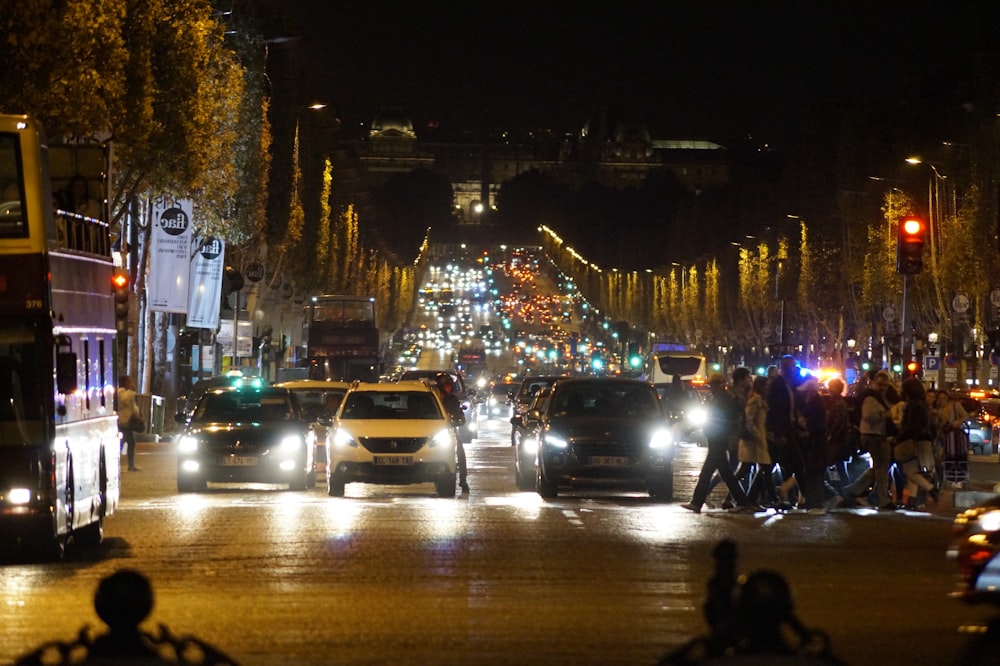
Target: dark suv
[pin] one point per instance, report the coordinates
(522, 400)
(245, 433)
(604, 431)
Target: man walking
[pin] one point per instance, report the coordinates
(720, 428)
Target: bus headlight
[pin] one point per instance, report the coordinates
(187, 444)
(19, 496)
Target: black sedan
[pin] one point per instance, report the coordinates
(603, 431)
(243, 434)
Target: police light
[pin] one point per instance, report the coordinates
(912, 236)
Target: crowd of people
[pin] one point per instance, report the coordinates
(786, 441)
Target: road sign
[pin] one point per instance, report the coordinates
(889, 313)
(960, 303)
(932, 362)
(951, 361)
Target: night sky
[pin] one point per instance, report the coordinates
(707, 68)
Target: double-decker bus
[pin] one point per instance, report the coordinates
(342, 338)
(59, 445)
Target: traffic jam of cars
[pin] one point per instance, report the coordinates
(524, 351)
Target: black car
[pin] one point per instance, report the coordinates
(526, 444)
(467, 430)
(522, 400)
(601, 432)
(245, 433)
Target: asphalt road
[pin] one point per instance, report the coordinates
(395, 574)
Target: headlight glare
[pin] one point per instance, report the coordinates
(661, 439)
(187, 444)
(291, 443)
(443, 438)
(697, 416)
(556, 442)
(343, 438)
(19, 496)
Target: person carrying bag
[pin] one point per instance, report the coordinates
(130, 419)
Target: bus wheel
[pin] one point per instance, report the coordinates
(46, 547)
(92, 535)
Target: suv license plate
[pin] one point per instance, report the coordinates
(239, 461)
(610, 461)
(394, 460)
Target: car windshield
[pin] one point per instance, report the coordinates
(530, 387)
(390, 405)
(243, 407)
(600, 399)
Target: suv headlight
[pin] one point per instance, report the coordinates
(187, 444)
(343, 438)
(444, 437)
(556, 441)
(697, 416)
(290, 443)
(661, 439)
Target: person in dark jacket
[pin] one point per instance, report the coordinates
(720, 427)
(915, 432)
(452, 405)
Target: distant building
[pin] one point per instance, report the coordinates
(614, 153)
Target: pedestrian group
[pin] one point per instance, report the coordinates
(783, 441)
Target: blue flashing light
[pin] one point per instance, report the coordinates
(762, 371)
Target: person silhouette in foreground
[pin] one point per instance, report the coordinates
(753, 614)
(123, 601)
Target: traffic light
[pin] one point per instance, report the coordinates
(120, 282)
(912, 369)
(911, 239)
(634, 358)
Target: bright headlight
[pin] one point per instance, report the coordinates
(291, 443)
(661, 439)
(19, 496)
(697, 416)
(557, 442)
(529, 445)
(187, 444)
(443, 438)
(343, 438)
(990, 521)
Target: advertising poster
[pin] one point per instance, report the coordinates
(207, 267)
(170, 256)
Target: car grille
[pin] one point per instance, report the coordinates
(393, 444)
(586, 449)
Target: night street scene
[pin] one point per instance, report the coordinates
(500, 333)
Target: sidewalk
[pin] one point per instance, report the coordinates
(983, 483)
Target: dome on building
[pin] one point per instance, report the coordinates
(391, 121)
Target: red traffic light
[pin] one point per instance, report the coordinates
(910, 243)
(120, 281)
(912, 226)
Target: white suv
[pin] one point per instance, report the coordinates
(392, 434)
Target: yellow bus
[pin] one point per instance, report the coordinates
(60, 470)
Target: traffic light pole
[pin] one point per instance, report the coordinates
(904, 353)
